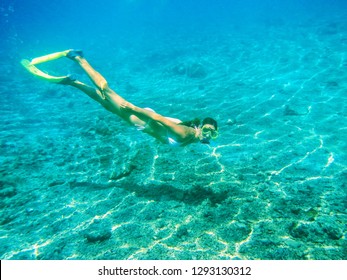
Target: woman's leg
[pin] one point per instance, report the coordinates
(152, 128)
(98, 80)
(104, 90)
(112, 101)
(94, 94)
(106, 96)
(106, 103)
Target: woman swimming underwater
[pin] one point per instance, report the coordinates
(167, 130)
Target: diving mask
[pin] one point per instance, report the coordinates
(209, 132)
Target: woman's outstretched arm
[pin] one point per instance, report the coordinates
(145, 115)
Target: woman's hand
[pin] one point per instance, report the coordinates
(127, 106)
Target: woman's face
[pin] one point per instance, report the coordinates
(208, 132)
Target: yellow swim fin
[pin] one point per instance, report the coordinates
(49, 57)
(38, 73)
(30, 66)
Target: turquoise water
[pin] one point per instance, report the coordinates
(78, 183)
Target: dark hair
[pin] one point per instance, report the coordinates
(210, 121)
(192, 123)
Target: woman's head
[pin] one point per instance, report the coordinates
(210, 121)
(209, 130)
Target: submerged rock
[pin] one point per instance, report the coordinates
(98, 231)
(191, 70)
(98, 236)
(121, 173)
(7, 189)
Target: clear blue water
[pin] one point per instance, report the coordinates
(78, 183)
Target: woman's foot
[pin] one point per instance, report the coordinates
(72, 54)
(68, 80)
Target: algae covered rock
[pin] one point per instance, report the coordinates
(98, 231)
(191, 70)
(235, 232)
(7, 189)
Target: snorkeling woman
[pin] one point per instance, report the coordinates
(167, 130)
